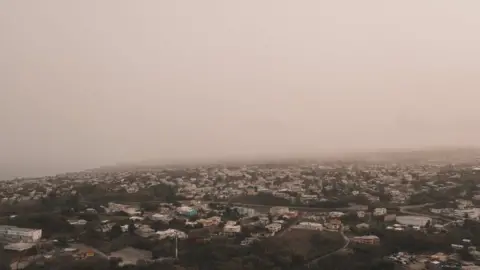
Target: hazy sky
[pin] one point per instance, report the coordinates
(88, 83)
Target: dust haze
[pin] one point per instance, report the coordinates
(89, 83)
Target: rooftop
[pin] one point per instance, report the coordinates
(7, 227)
(19, 246)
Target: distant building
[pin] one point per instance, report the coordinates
(232, 229)
(291, 214)
(79, 222)
(274, 227)
(160, 217)
(420, 221)
(336, 214)
(367, 239)
(244, 211)
(362, 226)
(212, 221)
(473, 213)
(360, 214)
(19, 247)
(309, 226)
(171, 233)
(334, 225)
(379, 211)
(115, 207)
(451, 265)
(279, 210)
(186, 211)
(390, 217)
(12, 234)
(90, 211)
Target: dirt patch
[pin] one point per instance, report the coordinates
(130, 255)
(311, 243)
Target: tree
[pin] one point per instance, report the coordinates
(221, 225)
(4, 259)
(428, 224)
(159, 226)
(162, 250)
(178, 224)
(91, 231)
(114, 263)
(73, 202)
(131, 228)
(148, 206)
(164, 192)
(116, 231)
(50, 223)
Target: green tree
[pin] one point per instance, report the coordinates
(116, 231)
(149, 206)
(4, 259)
(131, 228)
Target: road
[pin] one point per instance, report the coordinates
(414, 206)
(289, 225)
(305, 207)
(301, 208)
(405, 210)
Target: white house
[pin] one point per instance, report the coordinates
(249, 212)
(160, 217)
(11, 234)
(379, 211)
(171, 233)
(274, 227)
(232, 228)
(336, 214)
(309, 226)
(77, 222)
(279, 210)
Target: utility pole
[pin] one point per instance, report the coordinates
(176, 246)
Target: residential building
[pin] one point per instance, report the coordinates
(366, 239)
(244, 211)
(334, 225)
(309, 226)
(170, 233)
(79, 222)
(186, 211)
(379, 211)
(212, 221)
(160, 217)
(274, 227)
(362, 226)
(390, 217)
(115, 207)
(232, 229)
(336, 214)
(279, 210)
(12, 234)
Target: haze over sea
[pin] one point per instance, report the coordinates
(83, 86)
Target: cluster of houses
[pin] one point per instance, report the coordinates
(300, 183)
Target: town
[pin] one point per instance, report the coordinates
(299, 215)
